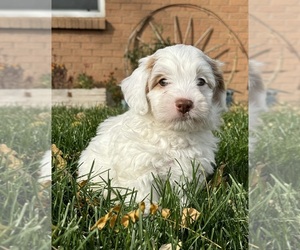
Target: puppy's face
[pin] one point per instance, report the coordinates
(179, 85)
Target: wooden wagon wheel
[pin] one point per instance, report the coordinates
(201, 29)
(271, 41)
(275, 53)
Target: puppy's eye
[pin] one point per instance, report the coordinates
(201, 81)
(163, 82)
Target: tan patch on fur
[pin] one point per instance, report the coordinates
(150, 63)
(149, 68)
(154, 84)
(157, 86)
(220, 85)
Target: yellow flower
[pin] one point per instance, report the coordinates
(113, 220)
(165, 213)
(80, 116)
(189, 215)
(44, 115)
(57, 154)
(153, 208)
(125, 220)
(133, 215)
(100, 224)
(75, 124)
(10, 157)
(116, 208)
(142, 206)
(37, 124)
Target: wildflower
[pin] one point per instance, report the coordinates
(169, 246)
(189, 215)
(80, 116)
(37, 124)
(165, 213)
(100, 224)
(75, 124)
(44, 115)
(125, 220)
(153, 208)
(57, 154)
(10, 157)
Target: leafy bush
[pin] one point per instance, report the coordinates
(114, 95)
(85, 81)
(11, 76)
(59, 76)
(143, 50)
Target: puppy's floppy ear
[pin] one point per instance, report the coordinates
(219, 95)
(134, 87)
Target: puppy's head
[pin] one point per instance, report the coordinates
(257, 91)
(257, 96)
(179, 86)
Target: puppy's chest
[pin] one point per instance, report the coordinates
(173, 145)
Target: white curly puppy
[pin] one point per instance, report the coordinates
(257, 100)
(175, 98)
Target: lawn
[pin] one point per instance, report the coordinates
(83, 219)
(274, 193)
(25, 211)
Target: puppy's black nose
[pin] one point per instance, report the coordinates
(184, 105)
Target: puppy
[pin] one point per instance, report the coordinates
(45, 168)
(175, 98)
(257, 101)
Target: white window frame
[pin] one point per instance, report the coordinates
(82, 13)
(56, 13)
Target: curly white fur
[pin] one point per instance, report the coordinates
(154, 136)
(45, 167)
(257, 100)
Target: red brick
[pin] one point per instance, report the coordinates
(230, 9)
(91, 59)
(81, 38)
(239, 2)
(82, 52)
(130, 7)
(113, 6)
(56, 45)
(103, 50)
(70, 45)
(71, 59)
(63, 52)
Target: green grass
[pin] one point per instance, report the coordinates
(222, 203)
(275, 195)
(273, 211)
(25, 217)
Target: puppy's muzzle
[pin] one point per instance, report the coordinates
(184, 105)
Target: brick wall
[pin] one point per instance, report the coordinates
(99, 52)
(275, 26)
(28, 49)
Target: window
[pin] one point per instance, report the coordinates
(69, 14)
(41, 8)
(26, 5)
(78, 14)
(78, 8)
